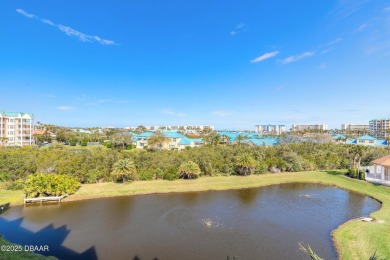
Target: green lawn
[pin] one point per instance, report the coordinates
(354, 239)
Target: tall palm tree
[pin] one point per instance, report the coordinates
(123, 169)
(189, 170)
(240, 138)
(246, 164)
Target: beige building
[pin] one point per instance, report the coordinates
(270, 129)
(16, 129)
(380, 128)
(354, 127)
(380, 172)
(309, 127)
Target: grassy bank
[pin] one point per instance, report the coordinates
(354, 239)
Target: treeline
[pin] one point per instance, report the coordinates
(96, 165)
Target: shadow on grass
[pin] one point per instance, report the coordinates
(334, 172)
(47, 236)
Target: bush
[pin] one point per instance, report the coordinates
(362, 175)
(261, 168)
(15, 185)
(353, 173)
(43, 185)
(84, 143)
(72, 143)
(129, 147)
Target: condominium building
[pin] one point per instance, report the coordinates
(270, 129)
(354, 127)
(380, 128)
(16, 129)
(309, 127)
(186, 128)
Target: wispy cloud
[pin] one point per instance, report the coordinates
(298, 57)
(265, 56)
(323, 66)
(65, 108)
(325, 51)
(221, 113)
(386, 9)
(69, 31)
(334, 41)
(361, 27)
(172, 113)
(22, 12)
(239, 29)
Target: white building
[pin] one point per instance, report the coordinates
(270, 129)
(185, 128)
(380, 172)
(380, 128)
(309, 127)
(354, 127)
(16, 129)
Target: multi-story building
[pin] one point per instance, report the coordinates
(270, 129)
(185, 128)
(309, 127)
(380, 128)
(354, 127)
(16, 129)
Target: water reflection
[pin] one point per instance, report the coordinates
(261, 223)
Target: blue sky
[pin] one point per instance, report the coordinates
(232, 64)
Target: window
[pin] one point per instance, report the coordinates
(10, 132)
(387, 174)
(11, 120)
(141, 144)
(11, 139)
(11, 127)
(371, 141)
(174, 139)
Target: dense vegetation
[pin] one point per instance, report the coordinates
(44, 185)
(101, 164)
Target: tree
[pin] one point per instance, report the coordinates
(189, 170)
(158, 140)
(240, 138)
(124, 169)
(225, 139)
(245, 164)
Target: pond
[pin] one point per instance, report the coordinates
(259, 223)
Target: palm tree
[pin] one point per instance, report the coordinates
(246, 164)
(189, 170)
(123, 169)
(225, 139)
(240, 138)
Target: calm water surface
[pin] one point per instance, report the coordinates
(260, 223)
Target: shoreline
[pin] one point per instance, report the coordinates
(359, 245)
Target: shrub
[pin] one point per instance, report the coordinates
(353, 173)
(15, 185)
(84, 143)
(72, 143)
(41, 184)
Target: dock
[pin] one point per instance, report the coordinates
(42, 199)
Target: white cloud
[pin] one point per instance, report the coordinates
(323, 66)
(298, 57)
(361, 27)
(265, 56)
(334, 41)
(22, 12)
(172, 113)
(386, 9)
(70, 31)
(325, 51)
(221, 113)
(241, 27)
(65, 108)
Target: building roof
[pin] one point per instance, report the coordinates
(185, 141)
(351, 141)
(339, 136)
(173, 134)
(381, 142)
(383, 161)
(15, 114)
(262, 141)
(366, 137)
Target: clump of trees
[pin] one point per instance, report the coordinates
(101, 164)
(45, 185)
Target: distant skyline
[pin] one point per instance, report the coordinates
(231, 64)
